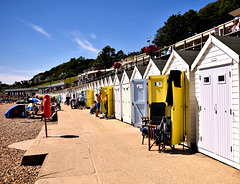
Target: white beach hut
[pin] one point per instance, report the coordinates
(111, 80)
(106, 81)
(182, 60)
(126, 96)
(154, 67)
(117, 89)
(217, 95)
(103, 82)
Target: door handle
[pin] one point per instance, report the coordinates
(173, 107)
(215, 108)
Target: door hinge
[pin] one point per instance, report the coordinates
(200, 108)
(230, 74)
(199, 77)
(231, 111)
(200, 138)
(231, 148)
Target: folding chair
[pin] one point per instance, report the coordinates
(157, 112)
(144, 129)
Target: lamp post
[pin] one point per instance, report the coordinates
(149, 39)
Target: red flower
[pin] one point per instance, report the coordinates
(150, 49)
(117, 65)
(99, 73)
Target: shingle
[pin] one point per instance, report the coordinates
(160, 63)
(231, 41)
(188, 56)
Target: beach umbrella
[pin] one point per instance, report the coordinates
(34, 100)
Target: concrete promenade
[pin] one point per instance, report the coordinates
(110, 151)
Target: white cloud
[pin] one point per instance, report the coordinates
(86, 45)
(11, 78)
(93, 36)
(40, 30)
(10, 75)
(37, 28)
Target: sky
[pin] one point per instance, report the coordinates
(36, 35)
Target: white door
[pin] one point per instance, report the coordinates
(126, 103)
(117, 102)
(215, 111)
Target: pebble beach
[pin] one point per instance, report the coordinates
(12, 131)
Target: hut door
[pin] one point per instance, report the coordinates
(110, 101)
(139, 100)
(178, 112)
(126, 103)
(117, 102)
(215, 111)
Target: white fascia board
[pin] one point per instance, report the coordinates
(201, 53)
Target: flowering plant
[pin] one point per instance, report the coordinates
(117, 65)
(150, 49)
(99, 73)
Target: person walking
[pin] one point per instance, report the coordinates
(67, 98)
(81, 100)
(98, 97)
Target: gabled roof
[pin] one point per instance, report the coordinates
(142, 69)
(230, 45)
(129, 73)
(188, 56)
(112, 77)
(232, 42)
(160, 63)
(119, 76)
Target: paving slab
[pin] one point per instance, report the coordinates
(110, 151)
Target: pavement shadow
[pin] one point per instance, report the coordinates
(179, 151)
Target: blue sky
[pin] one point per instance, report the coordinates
(37, 35)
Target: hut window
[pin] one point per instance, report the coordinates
(140, 86)
(221, 79)
(159, 84)
(206, 80)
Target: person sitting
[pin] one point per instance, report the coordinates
(35, 109)
(235, 26)
(58, 106)
(54, 116)
(93, 107)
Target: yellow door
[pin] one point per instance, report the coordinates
(104, 92)
(178, 112)
(157, 89)
(110, 101)
(90, 97)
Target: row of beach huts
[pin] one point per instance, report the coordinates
(205, 108)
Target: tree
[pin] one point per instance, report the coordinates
(179, 27)
(133, 53)
(120, 55)
(171, 32)
(106, 58)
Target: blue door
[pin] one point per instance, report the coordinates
(139, 101)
